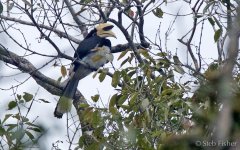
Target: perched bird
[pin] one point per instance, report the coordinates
(94, 51)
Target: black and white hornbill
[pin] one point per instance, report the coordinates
(94, 51)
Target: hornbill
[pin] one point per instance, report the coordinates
(94, 51)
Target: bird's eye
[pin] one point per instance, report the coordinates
(108, 28)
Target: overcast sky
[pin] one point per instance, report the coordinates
(89, 86)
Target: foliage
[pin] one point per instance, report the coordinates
(143, 112)
(17, 131)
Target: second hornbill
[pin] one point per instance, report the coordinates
(94, 51)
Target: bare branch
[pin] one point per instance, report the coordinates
(128, 38)
(48, 38)
(58, 32)
(141, 24)
(76, 19)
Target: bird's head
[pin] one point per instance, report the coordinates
(105, 30)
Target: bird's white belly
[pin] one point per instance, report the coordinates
(98, 58)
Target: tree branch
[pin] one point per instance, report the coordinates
(52, 86)
(141, 24)
(122, 47)
(76, 19)
(58, 32)
(128, 38)
(223, 123)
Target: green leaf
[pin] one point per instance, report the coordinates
(217, 35)
(96, 118)
(177, 65)
(124, 62)
(83, 105)
(27, 97)
(29, 134)
(6, 117)
(59, 79)
(12, 105)
(10, 126)
(211, 21)
(115, 79)
(96, 72)
(156, 133)
(122, 99)
(122, 54)
(19, 96)
(145, 53)
(88, 115)
(131, 58)
(158, 13)
(17, 116)
(10, 6)
(113, 100)
(1, 7)
(31, 124)
(63, 71)
(113, 110)
(176, 60)
(2, 131)
(171, 75)
(95, 98)
(167, 92)
(112, 103)
(179, 69)
(94, 145)
(125, 76)
(85, 1)
(34, 129)
(102, 76)
(133, 99)
(126, 107)
(27, 3)
(209, 4)
(24, 119)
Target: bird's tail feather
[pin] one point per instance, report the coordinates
(65, 101)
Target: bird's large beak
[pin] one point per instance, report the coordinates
(105, 30)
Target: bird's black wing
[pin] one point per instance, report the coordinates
(91, 33)
(87, 45)
(105, 42)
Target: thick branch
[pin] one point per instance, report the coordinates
(223, 122)
(47, 83)
(25, 66)
(122, 47)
